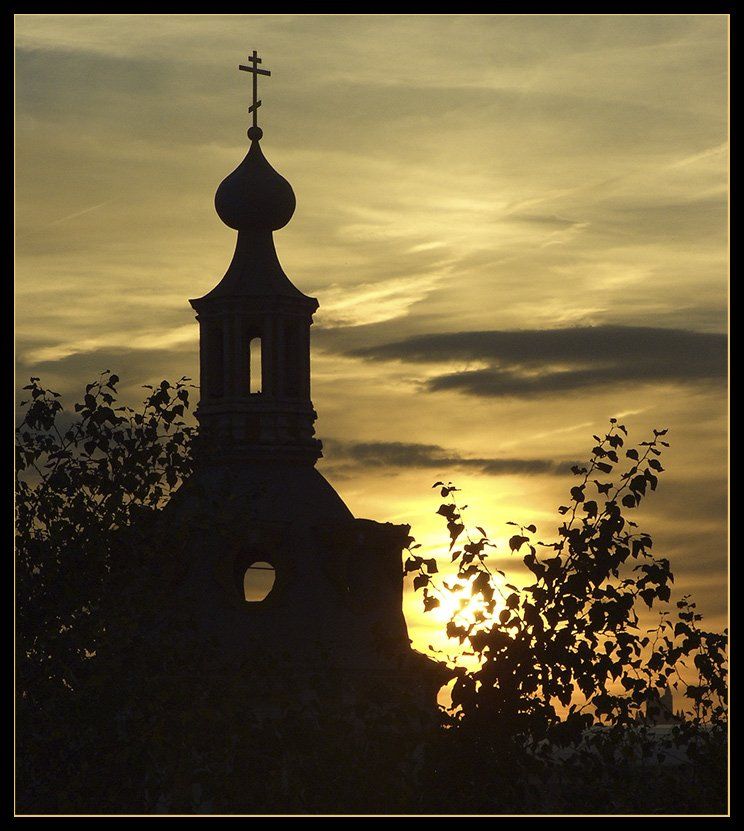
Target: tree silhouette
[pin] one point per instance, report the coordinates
(78, 481)
(564, 661)
(550, 717)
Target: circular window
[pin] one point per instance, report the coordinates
(258, 581)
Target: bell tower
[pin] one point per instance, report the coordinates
(256, 509)
(255, 326)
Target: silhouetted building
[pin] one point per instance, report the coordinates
(281, 565)
(660, 708)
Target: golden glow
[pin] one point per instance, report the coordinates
(453, 173)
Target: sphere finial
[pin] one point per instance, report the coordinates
(254, 196)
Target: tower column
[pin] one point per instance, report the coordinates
(227, 355)
(241, 358)
(281, 358)
(306, 362)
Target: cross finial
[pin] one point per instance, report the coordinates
(254, 60)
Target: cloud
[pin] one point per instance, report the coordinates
(372, 302)
(68, 374)
(150, 341)
(79, 213)
(556, 171)
(535, 362)
(413, 455)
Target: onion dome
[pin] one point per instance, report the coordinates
(254, 196)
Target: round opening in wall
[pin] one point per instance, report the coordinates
(258, 581)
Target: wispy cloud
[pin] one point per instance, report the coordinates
(144, 341)
(79, 213)
(370, 303)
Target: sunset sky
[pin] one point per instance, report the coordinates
(515, 225)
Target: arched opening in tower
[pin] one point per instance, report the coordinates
(258, 581)
(255, 359)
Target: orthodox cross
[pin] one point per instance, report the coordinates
(254, 60)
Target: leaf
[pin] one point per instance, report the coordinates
(430, 602)
(455, 529)
(455, 631)
(412, 564)
(638, 484)
(648, 596)
(517, 541)
(420, 581)
(632, 454)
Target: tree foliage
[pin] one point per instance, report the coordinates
(565, 659)
(549, 717)
(79, 478)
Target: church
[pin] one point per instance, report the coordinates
(279, 565)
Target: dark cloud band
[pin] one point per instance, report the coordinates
(534, 362)
(412, 455)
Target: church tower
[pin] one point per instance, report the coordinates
(274, 560)
(255, 329)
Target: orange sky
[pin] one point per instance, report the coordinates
(556, 183)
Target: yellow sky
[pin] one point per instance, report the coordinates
(557, 183)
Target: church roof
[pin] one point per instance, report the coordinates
(254, 195)
(255, 200)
